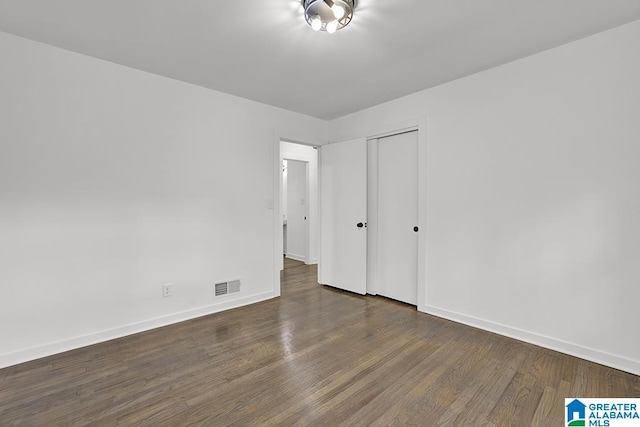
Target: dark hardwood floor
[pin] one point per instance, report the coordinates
(316, 356)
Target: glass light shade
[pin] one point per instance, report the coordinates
(328, 15)
(338, 11)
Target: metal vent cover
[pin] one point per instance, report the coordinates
(221, 288)
(234, 286)
(225, 288)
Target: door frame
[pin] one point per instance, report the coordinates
(273, 203)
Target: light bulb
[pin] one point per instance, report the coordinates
(338, 11)
(316, 23)
(332, 27)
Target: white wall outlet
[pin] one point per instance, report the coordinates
(167, 290)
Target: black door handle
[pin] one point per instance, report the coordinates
(416, 229)
(359, 225)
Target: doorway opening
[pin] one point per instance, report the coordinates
(299, 202)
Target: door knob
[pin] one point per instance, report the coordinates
(416, 229)
(359, 225)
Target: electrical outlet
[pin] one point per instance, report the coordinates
(167, 290)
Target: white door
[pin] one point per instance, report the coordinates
(297, 210)
(397, 215)
(343, 216)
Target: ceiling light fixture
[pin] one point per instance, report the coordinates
(328, 15)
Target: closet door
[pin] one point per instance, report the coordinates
(343, 215)
(397, 217)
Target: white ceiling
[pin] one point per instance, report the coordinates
(263, 50)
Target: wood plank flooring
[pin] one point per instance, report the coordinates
(314, 357)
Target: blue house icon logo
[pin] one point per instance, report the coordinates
(576, 413)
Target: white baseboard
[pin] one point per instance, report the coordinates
(597, 356)
(49, 349)
(296, 257)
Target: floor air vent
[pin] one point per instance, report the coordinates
(225, 288)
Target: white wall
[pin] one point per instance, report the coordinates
(115, 181)
(533, 196)
(308, 154)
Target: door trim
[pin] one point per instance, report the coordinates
(394, 133)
